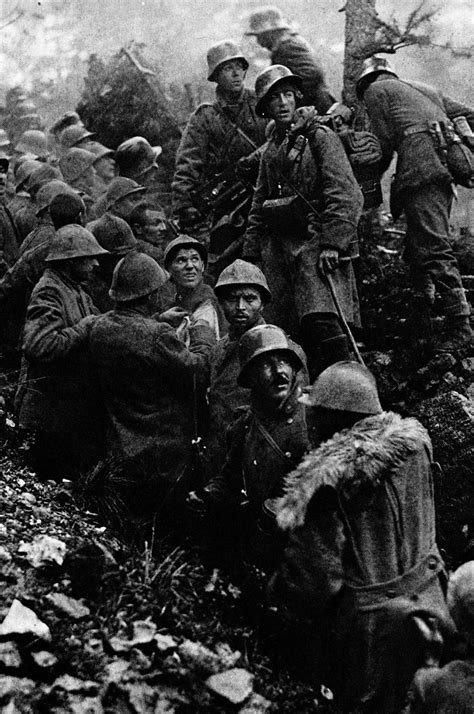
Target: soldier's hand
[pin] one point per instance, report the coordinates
(344, 113)
(195, 503)
(328, 260)
(188, 218)
(174, 316)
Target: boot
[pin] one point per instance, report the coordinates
(336, 349)
(457, 335)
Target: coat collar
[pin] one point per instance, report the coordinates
(360, 457)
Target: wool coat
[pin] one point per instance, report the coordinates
(43, 231)
(362, 556)
(9, 240)
(211, 143)
(57, 394)
(289, 246)
(294, 52)
(22, 207)
(147, 378)
(449, 690)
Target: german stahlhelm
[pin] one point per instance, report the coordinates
(344, 386)
(260, 340)
(135, 276)
(269, 79)
(183, 241)
(267, 19)
(24, 171)
(372, 67)
(73, 241)
(224, 51)
(50, 190)
(240, 273)
(74, 135)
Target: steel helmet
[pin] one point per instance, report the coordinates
(75, 162)
(99, 150)
(268, 80)
(50, 190)
(344, 386)
(4, 138)
(240, 272)
(33, 142)
(461, 599)
(183, 241)
(266, 19)
(133, 150)
(41, 175)
(119, 188)
(73, 135)
(224, 51)
(73, 241)
(259, 340)
(370, 69)
(114, 234)
(67, 119)
(136, 276)
(24, 171)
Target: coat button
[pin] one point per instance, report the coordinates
(290, 420)
(255, 462)
(288, 454)
(432, 563)
(391, 593)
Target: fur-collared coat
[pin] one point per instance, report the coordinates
(360, 513)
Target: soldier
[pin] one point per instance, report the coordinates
(104, 165)
(265, 441)
(150, 228)
(34, 143)
(307, 202)
(9, 238)
(137, 159)
(185, 260)
(401, 114)
(216, 137)
(272, 31)
(242, 291)
(44, 230)
(149, 379)
(25, 216)
(56, 399)
(78, 168)
(22, 203)
(75, 136)
(361, 561)
(121, 197)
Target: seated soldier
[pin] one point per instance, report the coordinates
(56, 399)
(185, 260)
(266, 440)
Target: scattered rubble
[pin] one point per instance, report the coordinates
(235, 685)
(43, 550)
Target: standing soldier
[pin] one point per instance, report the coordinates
(216, 137)
(272, 31)
(408, 118)
(308, 204)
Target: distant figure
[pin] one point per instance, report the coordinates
(273, 31)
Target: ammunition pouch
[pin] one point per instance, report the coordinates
(460, 164)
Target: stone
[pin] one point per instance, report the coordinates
(199, 659)
(44, 550)
(68, 605)
(74, 685)
(44, 659)
(144, 632)
(256, 705)
(235, 685)
(20, 620)
(165, 643)
(5, 555)
(11, 686)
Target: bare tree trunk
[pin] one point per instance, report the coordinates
(360, 33)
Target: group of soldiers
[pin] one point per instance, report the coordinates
(182, 345)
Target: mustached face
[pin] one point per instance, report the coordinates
(242, 307)
(272, 376)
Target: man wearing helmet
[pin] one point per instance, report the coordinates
(265, 441)
(402, 115)
(56, 398)
(361, 558)
(273, 31)
(303, 221)
(218, 134)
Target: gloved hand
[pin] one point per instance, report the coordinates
(195, 503)
(188, 218)
(328, 260)
(174, 316)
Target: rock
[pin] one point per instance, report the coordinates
(164, 643)
(5, 555)
(228, 658)
(11, 686)
(144, 632)
(116, 670)
(9, 656)
(44, 659)
(256, 705)
(199, 659)
(28, 497)
(71, 607)
(74, 685)
(44, 550)
(235, 685)
(468, 364)
(169, 701)
(20, 620)
(84, 705)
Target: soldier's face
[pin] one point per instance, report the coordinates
(187, 269)
(105, 168)
(242, 307)
(272, 377)
(154, 229)
(230, 77)
(281, 105)
(81, 269)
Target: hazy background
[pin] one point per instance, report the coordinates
(45, 45)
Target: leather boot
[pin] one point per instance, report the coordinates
(457, 335)
(336, 349)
